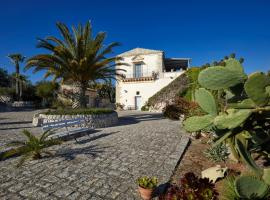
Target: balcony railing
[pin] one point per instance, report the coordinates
(140, 76)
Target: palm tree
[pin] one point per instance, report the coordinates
(78, 57)
(32, 148)
(16, 59)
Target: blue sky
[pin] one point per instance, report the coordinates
(202, 30)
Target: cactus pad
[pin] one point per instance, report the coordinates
(245, 104)
(233, 119)
(234, 65)
(198, 123)
(215, 78)
(249, 187)
(206, 101)
(255, 88)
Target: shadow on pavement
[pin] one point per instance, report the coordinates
(96, 137)
(70, 154)
(137, 118)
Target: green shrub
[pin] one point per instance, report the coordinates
(59, 104)
(7, 91)
(80, 111)
(147, 182)
(47, 91)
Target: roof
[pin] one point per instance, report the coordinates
(139, 51)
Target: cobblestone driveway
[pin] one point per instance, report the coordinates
(102, 166)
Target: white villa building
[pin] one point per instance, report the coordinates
(147, 72)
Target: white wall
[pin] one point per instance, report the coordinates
(127, 90)
(150, 63)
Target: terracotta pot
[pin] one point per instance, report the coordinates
(146, 194)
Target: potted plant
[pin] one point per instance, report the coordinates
(147, 186)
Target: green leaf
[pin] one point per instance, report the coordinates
(234, 65)
(250, 187)
(198, 123)
(255, 88)
(206, 101)
(222, 138)
(246, 157)
(266, 175)
(216, 78)
(233, 119)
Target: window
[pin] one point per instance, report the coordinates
(137, 70)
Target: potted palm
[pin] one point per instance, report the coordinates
(147, 186)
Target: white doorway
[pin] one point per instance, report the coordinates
(138, 102)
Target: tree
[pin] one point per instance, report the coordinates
(4, 78)
(16, 59)
(78, 56)
(106, 90)
(47, 91)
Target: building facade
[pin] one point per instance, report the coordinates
(147, 71)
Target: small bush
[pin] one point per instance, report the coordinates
(172, 112)
(81, 111)
(180, 107)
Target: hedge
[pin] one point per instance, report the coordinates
(81, 111)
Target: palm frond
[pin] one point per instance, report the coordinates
(15, 143)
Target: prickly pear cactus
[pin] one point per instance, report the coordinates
(255, 88)
(234, 65)
(198, 123)
(243, 118)
(206, 101)
(215, 78)
(233, 119)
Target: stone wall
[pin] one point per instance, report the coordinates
(95, 121)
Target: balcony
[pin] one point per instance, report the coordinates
(140, 77)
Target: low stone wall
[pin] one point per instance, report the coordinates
(95, 121)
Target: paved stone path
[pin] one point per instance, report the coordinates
(102, 166)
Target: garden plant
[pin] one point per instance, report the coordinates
(249, 187)
(191, 188)
(242, 119)
(146, 186)
(34, 147)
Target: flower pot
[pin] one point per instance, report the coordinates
(146, 194)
